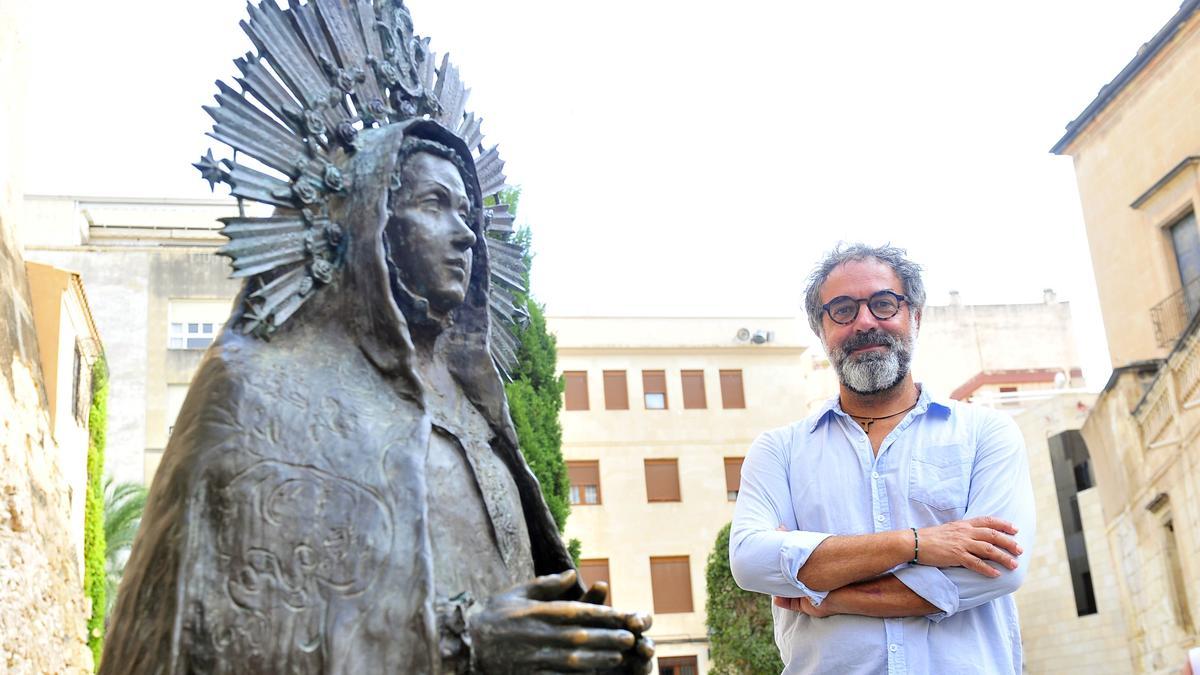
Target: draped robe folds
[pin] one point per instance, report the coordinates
(288, 527)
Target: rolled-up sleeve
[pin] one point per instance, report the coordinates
(1000, 487)
(763, 558)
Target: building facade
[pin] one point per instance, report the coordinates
(159, 296)
(1136, 151)
(658, 414)
(68, 346)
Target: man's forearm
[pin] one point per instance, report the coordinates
(883, 598)
(843, 560)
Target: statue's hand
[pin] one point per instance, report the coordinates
(639, 659)
(528, 629)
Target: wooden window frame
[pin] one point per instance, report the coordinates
(692, 402)
(585, 463)
(611, 376)
(583, 562)
(725, 390)
(678, 662)
(654, 588)
(567, 401)
(646, 375)
(730, 462)
(662, 461)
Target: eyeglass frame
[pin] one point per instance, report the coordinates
(858, 303)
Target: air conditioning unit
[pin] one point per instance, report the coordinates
(761, 337)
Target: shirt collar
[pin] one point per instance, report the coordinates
(833, 406)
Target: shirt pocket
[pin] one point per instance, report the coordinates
(938, 476)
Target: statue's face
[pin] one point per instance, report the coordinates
(431, 230)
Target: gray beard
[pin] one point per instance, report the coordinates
(872, 372)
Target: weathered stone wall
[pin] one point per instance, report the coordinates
(43, 612)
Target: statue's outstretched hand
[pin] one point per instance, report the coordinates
(528, 629)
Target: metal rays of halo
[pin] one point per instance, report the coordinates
(323, 71)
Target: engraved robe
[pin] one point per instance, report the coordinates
(287, 528)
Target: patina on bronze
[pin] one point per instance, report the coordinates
(348, 496)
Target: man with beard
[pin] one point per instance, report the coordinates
(893, 525)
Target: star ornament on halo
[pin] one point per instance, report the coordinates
(211, 170)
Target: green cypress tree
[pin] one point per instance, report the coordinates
(95, 575)
(741, 633)
(535, 393)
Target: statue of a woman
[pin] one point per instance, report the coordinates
(347, 496)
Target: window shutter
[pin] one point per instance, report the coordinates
(662, 480)
(732, 395)
(671, 581)
(591, 571)
(576, 389)
(654, 385)
(733, 474)
(616, 390)
(580, 475)
(693, 389)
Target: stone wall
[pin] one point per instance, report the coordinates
(1056, 638)
(43, 612)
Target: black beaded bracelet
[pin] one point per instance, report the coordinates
(916, 546)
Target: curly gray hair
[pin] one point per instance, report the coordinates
(908, 271)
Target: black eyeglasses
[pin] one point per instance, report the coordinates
(883, 305)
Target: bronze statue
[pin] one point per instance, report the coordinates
(343, 491)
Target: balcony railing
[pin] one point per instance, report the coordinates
(1172, 315)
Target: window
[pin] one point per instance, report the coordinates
(616, 390)
(585, 482)
(693, 389)
(1185, 239)
(576, 389)
(194, 324)
(671, 582)
(732, 395)
(1178, 590)
(1068, 453)
(662, 480)
(733, 477)
(1008, 396)
(677, 665)
(596, 569)
(191, 335)
(81, 388)
(654, 385)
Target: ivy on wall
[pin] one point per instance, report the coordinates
(740, 629)
(95, 574)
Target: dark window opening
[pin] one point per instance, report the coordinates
(1069, 460)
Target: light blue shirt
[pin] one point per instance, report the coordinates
(945, 461)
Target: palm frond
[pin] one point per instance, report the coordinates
(123, 507)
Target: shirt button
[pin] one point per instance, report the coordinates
(875, 475)
(892, 648)
(879, 517)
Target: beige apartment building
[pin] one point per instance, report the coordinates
(1136, 150)
(658, 414)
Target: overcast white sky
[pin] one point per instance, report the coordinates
(679, 157)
